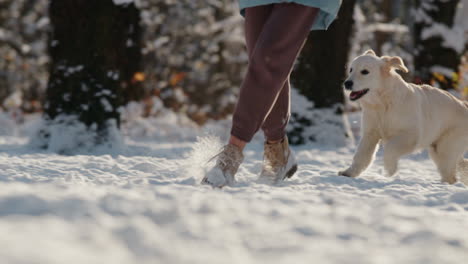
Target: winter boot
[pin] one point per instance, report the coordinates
(227, 164)
(279, 162)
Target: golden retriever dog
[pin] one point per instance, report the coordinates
(405, 118)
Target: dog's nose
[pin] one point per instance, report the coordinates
(348, 85)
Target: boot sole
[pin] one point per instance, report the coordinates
(291, 172)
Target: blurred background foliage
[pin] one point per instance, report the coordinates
(193, 55)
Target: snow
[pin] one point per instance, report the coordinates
(452, 38)
(72, 70)
(67, 135)
(323, 125)
(107, 106)
(442, 70)
(142, 203)
(123, 2)
(420, 14)
(462, 13)
(387, 28)
(13, 101)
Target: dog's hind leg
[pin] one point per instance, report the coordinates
(462, 169)
(394, 149)
(447, 153)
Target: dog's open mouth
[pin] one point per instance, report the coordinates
(358, 94)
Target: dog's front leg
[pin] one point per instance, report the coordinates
(394, 149)
(364, 155)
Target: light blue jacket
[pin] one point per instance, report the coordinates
(328, 9)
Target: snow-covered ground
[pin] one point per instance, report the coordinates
(142, 203)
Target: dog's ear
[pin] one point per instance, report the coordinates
(369, 52)
(395, 62)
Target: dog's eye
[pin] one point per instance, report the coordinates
(365, 72)
(351, 70)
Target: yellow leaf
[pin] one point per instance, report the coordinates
(177, 78)
(439, 76)
(138, 77)
(455, 77)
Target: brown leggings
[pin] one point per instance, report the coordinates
(275, 35)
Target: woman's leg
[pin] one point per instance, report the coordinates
(255, 19)
(274, 36)
(270, 64)
(274, 126)
(275, 123)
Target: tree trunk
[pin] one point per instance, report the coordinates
(321, 70)
(321, 67)
(95, 51)
(381, 37)
(437, 59)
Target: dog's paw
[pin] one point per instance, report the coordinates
(449, 180)
(389, 172)
(346, 173)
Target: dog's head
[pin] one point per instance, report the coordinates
(367, 73)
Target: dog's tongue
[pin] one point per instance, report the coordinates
(354, 95)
